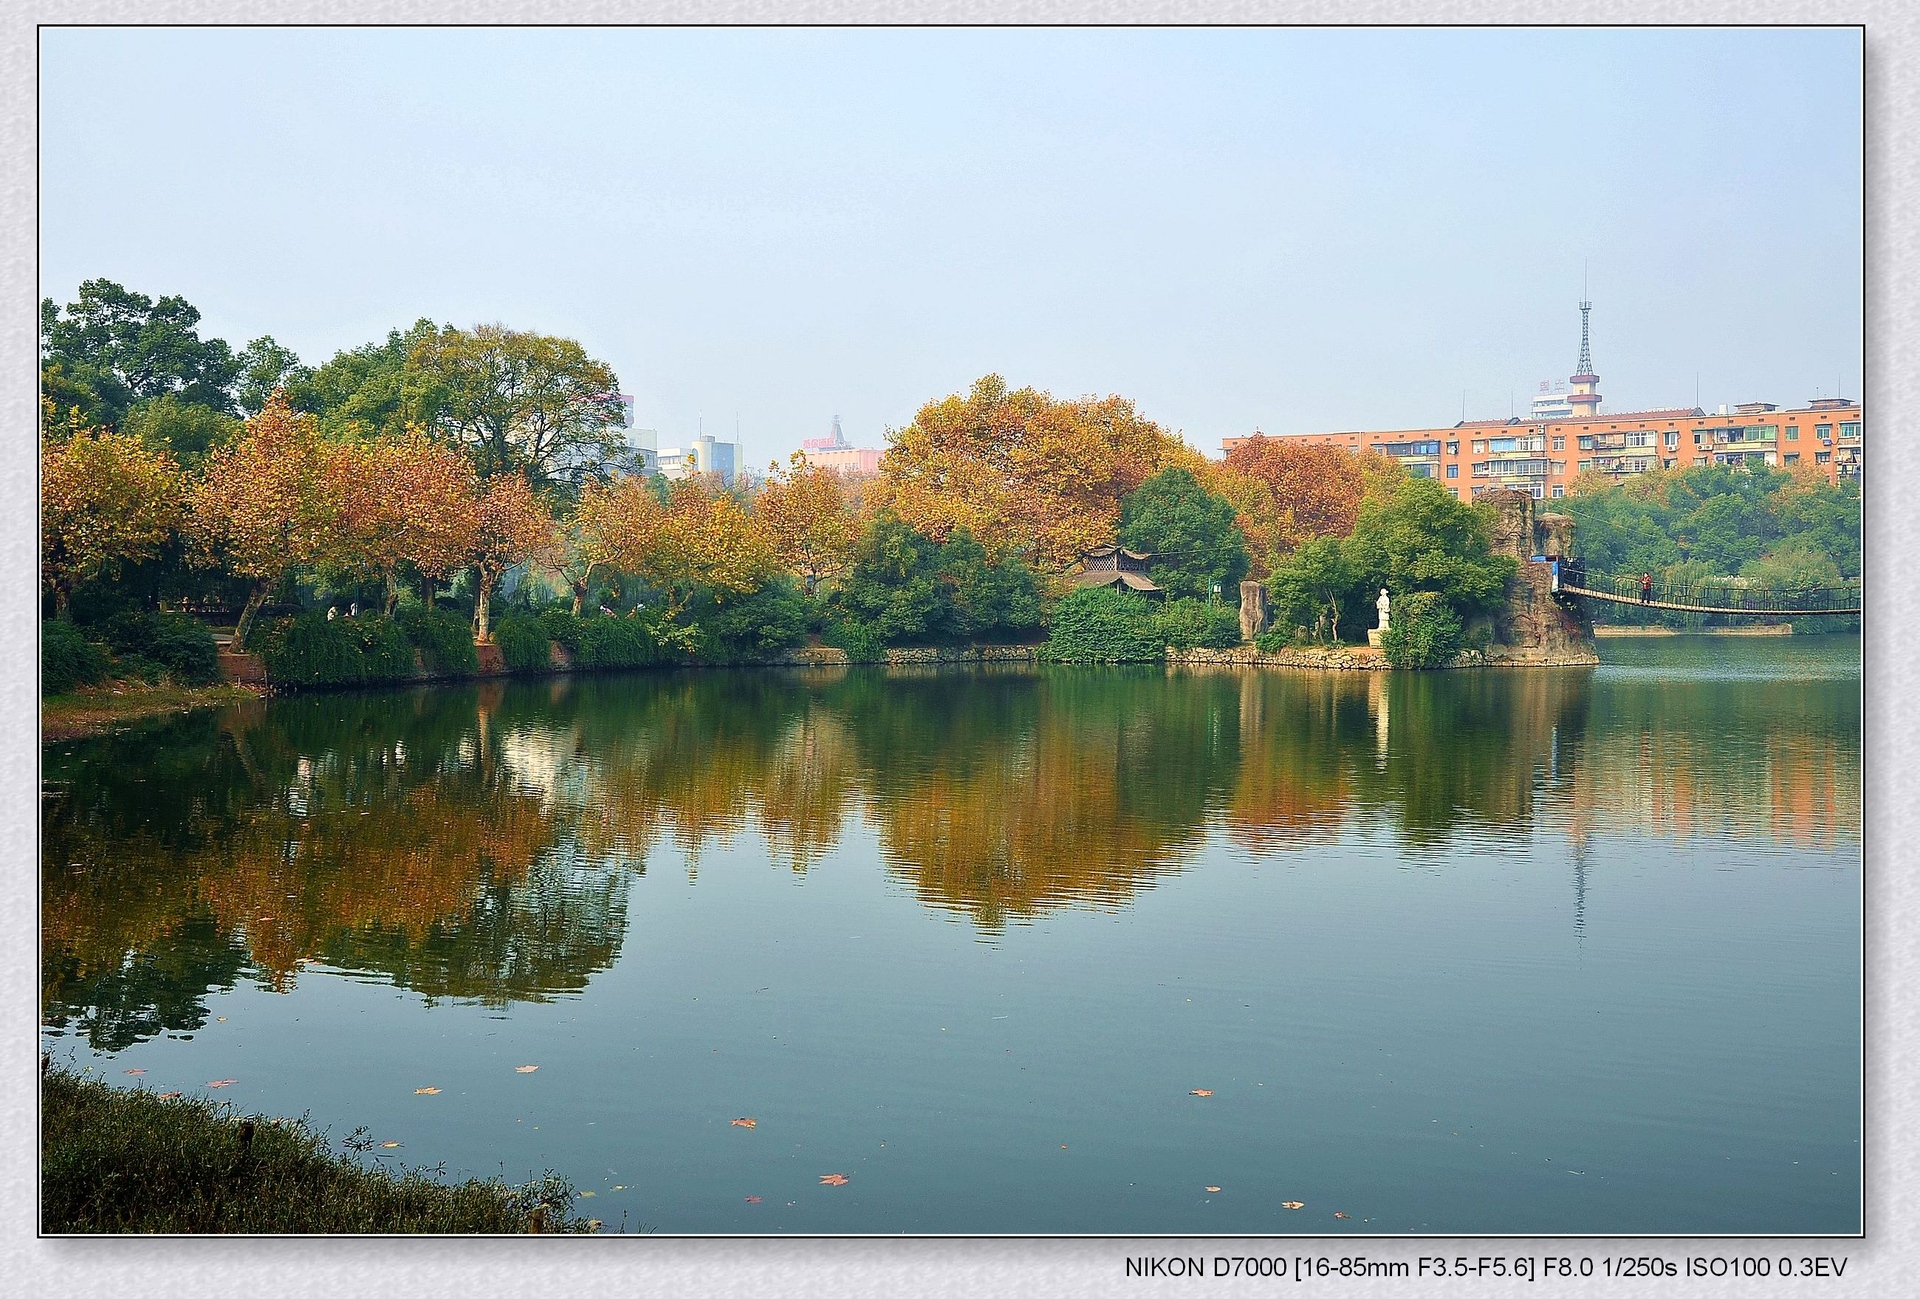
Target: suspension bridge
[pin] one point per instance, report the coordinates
(1722, 596)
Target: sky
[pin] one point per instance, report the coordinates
(1279, 229)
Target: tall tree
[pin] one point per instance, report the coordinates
(1422, 538)
(1191, 532)
(105, 500)
(1022, 471)
(403, 500)
(806, 516)
(119, 347)
(519, 402)
(1287, 492)
(513, 527)
(365, 390)
(265, 367)
(266, 504)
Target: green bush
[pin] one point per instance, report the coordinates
(764, 621)
(175, 643)
(862, 642)
(563, 627)
(524, 643)
(1101, 624)
(616, 643)
(444, 639)
(68, 659)
(1197, 624)
(1424, 632)
(311, 651)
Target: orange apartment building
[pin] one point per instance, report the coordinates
(1568, 435)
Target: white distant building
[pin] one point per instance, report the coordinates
(1552, 402)
(703, 455)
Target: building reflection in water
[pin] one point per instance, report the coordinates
(479, 843)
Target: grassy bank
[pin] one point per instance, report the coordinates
(127, 1161)
(90, 710)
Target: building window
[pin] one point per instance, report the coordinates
(1586, 442)
(1793, 457)
(1558, 491)
(1453, 448)
(1559, 444)
(1585, 465)
(1453, 471)
(1793, 432)
(1823, 457)
(1673, 441)
(1850, 429)
(1480, 447)
(1639, 439)
(1824, 432)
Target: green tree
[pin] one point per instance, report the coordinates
(264, 367)
(518, 402)
(365, 391)
(1420, 537)
(183, 429)
(115, 347)
(1313, 585)
(1191, 532)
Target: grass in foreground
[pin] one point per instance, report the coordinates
(119, 1161)
(92, 709)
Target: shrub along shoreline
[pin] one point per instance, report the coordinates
(117, 1160)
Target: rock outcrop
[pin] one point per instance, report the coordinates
(1533, 627)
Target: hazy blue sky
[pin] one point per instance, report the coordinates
(1289, 230)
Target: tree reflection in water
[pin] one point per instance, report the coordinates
(478, 843)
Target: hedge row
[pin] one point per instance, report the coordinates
(143, 645)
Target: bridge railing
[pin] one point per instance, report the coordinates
(1733, 595)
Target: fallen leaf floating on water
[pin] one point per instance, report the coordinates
(426, 1091)
(1343, 1215)
(136, 1071)
(388, 1145)
(1199, 1091)
(223, 1082)
(833, 1179)
(169, 1096)
(525, 1068)
(746, 1123)
(1292, 1204)
(219, 1019)
(753, 1199)
(1212, 1189)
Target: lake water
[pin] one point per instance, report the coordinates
(1551, 951)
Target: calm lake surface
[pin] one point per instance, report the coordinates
(1472, 952)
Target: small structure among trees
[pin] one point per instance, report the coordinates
(1118, 567)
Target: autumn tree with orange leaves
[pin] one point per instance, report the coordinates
(105, 500)
(266, 504)
(1286, 492)
(512, 527)
(1021, 470)
(807, 519)
(404, 500)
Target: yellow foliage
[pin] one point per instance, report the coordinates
(1021, 470)
(104, 500)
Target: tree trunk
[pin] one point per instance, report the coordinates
(61, 609)
(1333, 608)
(255, 598)
(579, 597)
(393, 593)
(483, 632)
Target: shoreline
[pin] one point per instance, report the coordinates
(96, 710)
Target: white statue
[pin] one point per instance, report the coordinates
(1383, 604)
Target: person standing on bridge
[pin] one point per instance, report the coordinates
(1646, 588)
